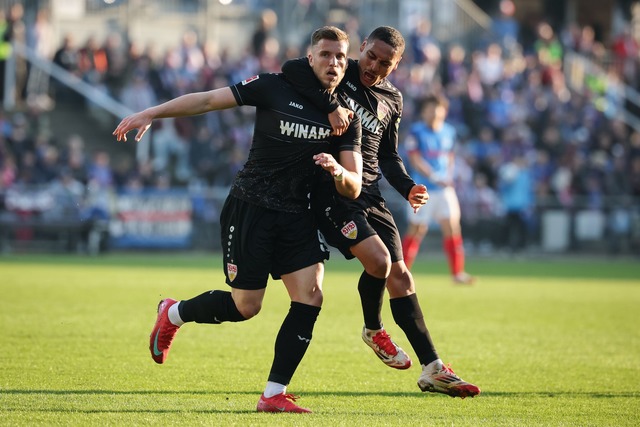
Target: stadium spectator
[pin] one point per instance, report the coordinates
(40, 39)
(100, 173)
(66, 57)
(74, 158)
(8, 172)
(505, 28)
(115, 51)
(264, 33)
(482, 210)
(266, 225)
(92, 61)
(17, 32)
(483, 153)
(517, 196)
(490, 65)
(68, 194)
(169, 141)
(626, 49)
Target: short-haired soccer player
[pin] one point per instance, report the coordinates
(266, 225)
(364, 228)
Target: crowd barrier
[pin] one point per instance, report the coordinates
(44, 219)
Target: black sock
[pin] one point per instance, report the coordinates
(292, 341)
(371, 291)
(210, 307)
(408, 315)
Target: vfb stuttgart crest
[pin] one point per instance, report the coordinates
(232, 271)
(382, 110)
(350, 230)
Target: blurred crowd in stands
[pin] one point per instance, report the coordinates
(525, 138)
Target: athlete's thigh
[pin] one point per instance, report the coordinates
(305, 285)
(373, 255)
(248, 242)
(342, 223)
(451, 204)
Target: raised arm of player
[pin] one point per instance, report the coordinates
(347, 173)
(301, 76)
(185, 105)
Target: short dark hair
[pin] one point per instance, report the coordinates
(432, 99)
(390, 36)
(328, 32)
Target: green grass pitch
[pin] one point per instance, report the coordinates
(549, 342)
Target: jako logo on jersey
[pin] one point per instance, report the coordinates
(350, 231)
(367, 119)
(249, 80)
(232, 271)
(352, 86)
(294, 105)
(303, 131)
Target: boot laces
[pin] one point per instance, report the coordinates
(383, 341)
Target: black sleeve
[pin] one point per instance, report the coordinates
(391, 163)
(351, 140)
(258, 90)
(299, 73)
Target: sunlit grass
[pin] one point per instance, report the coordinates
(546, 346)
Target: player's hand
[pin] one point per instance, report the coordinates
(418, 197)
(339, 120)
(140, 121)
(328, 163)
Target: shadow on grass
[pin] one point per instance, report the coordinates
(485, 394)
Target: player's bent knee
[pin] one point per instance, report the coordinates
(400, 281)
(249, 309)
(378, 266)
(314, 298)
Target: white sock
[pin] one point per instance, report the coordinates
(434, 366)
(274, 388)
(174, 315)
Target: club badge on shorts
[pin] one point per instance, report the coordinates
(232, 271)
(350, 230)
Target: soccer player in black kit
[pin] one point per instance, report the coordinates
(267, 226)
(364, 228)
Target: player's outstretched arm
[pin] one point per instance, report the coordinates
(185, 105)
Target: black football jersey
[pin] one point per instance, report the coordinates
(379, 109)
(289, 130)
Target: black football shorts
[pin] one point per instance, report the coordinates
(344, 222)
(257, 242)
